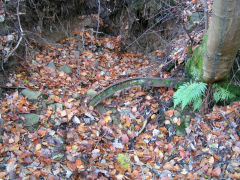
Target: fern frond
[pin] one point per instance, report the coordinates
(177, 96)
(189, 92)
(221, 94)
(197, 104)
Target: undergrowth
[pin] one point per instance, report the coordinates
(191, 93)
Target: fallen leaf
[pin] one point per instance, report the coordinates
(216, 172)
(134, 109)
(107, 118)
(125, 138)
(42, 132)
(169, 113)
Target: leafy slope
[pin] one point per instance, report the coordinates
(75, 142)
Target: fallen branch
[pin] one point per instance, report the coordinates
(11, 87)
(139, 81)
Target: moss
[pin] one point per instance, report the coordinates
(194, 65)
(165, 81)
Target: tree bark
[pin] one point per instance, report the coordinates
(223, 40)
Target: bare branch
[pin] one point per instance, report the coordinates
(99, 9)
(139, 37)
(19, 41)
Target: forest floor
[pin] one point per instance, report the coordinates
(49, 132)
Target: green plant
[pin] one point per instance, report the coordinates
(190, 92)
(124, 160)
(221, 94)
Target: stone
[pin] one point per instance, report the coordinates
(76, 120)
(56, 106)
(76, 96)
(31, 120)
(31, 95)
(52, 65)
(65, 69)
(77, 54)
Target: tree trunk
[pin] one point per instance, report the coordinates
(223, 40)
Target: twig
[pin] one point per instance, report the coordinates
(99, 9)
(144, 124)
(191, 39)
(1, 124)
(139, 37)
(206, 14)
(19, 41)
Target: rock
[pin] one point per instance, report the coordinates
(87, 121)
(65, 69)
(51, 101)
(89, 115)
(76, 120)
(76, 54)
(52, 65)
(59, 106)
(55, 106)
(166, 173)
(31, 95)
(76, 96)
(31, 120)
(91, 93)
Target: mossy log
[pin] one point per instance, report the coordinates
(139, 81)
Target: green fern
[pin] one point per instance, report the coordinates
(190, 92)
(222, 94)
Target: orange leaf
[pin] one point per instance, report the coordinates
(68, 148)
(135, 173)
(216, 172)
(56, 99)
(2, 174)
(78, 162)
(169, 113)
(136, 127)
(102, 122)
(91, 108)
(109, 112)
(179, 122)
(42, 132)
(194, 1)
(37, 173)
(71, 166)
(81, 128)
(128, 123)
